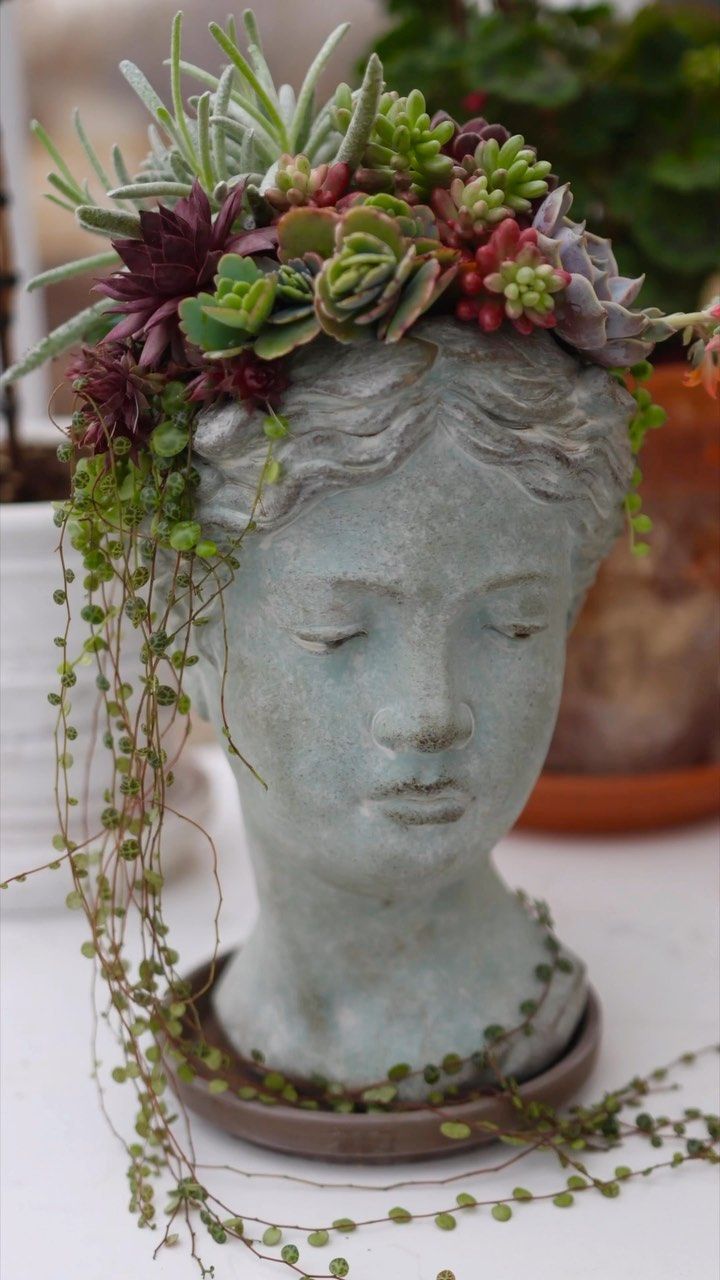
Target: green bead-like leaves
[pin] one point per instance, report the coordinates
(169, 439)
(185, 535)
(501, 1212)
(446, 1222)
(564, 1200)
(381, 1095)
(399, 1215)
(456, 1130)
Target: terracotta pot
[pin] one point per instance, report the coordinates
(637, 742)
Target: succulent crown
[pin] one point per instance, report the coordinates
(256, 223)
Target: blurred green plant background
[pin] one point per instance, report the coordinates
(627, 109)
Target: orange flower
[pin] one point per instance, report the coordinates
(707, 371)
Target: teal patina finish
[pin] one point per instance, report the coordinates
(397, 633)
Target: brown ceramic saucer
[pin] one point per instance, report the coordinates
(387, 1138)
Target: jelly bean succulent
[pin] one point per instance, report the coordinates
(512, 265)
(256, 225)
(404, 148)
(510, 169)
(296, 183)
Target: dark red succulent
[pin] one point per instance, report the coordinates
(245, 377)
(468, 136)
(115, 396)
(335, 185)
(510, 277)
(175, 257)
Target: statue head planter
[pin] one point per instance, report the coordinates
(368, 592)
(396, 638)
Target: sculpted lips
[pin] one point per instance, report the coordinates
(415, 803)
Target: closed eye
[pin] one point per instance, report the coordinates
(323, 641)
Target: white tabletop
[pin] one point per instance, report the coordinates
(643, 912)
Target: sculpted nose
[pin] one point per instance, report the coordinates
(446, 726)
(422, 711)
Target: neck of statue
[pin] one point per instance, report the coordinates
(345, 984)
(331, 935)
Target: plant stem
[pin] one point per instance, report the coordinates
(681, 319)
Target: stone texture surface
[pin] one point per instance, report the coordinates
(396, 652)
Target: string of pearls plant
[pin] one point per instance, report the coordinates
(256, 223)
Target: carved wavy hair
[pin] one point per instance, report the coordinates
(358, 411)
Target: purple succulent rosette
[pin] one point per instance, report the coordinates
(595, 315)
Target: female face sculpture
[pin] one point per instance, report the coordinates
(396, 649)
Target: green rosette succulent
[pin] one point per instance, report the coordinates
(416, 221)
(372, 273)
(513, 174)
(293, 320)
(404, 149)
(224, 323)
(376, 275)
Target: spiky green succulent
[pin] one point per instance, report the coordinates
(226, 322)
(513, 174)
(404, 149)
